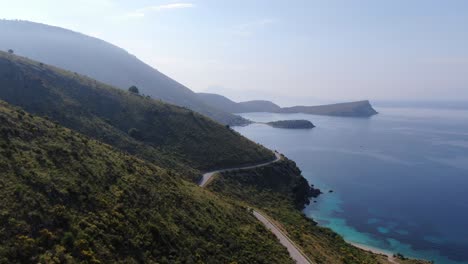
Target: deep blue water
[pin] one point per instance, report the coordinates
(400, 179)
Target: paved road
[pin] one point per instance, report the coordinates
(294, 252)
(207, 176)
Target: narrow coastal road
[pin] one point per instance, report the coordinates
(293, 250)
(209, 175)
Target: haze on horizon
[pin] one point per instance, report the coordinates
(287, 51)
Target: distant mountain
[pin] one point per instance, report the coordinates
(168, 135)
(259, 106)
(101, 61)
(351, 109)
(220, 101)
(228, 105)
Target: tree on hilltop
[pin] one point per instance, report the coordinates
(134, 89)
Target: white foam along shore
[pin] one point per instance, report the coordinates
(390, 256)
(373, 249)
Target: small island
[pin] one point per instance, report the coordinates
(292, 124)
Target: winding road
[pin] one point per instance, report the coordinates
(207, 177)
(295, 253)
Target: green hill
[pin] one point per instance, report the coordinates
(102, 61)
(65, 198)
(168, 135)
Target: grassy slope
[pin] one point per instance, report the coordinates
(168, 135)
(65, 197)
(273, 189)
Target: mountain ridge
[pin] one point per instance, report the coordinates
(102, 61)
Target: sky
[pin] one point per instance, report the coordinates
(293, 52)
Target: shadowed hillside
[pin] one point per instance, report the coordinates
(101, 61)
(167, 135)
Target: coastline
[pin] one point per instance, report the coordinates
(374, 250)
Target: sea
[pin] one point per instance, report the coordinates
(399, 179)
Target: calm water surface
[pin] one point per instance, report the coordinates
(400, 179)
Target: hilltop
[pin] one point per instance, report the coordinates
(168, 135)
(102, 61)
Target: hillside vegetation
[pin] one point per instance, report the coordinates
(102, 61)
(170, 136)
(65, 198)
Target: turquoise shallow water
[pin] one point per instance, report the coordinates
(400, 178)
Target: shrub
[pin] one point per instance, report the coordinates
(134, 89)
